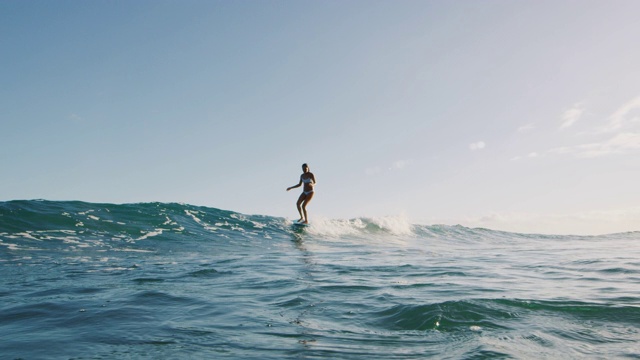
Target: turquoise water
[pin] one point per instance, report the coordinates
(169, 281)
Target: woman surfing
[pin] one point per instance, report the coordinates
(309, 181)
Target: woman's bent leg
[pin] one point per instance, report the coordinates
(299, 205)
(304, 206)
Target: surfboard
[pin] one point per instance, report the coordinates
(300, 224)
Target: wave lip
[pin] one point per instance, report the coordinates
(38, 219)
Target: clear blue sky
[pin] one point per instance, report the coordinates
(514, 115)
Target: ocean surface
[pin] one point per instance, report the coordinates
(174, 281)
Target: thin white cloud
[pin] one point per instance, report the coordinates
(401, 164)
(526, 128)
(627, 114)
(571, 116)
(621, 136)
(396, 165)
(623, 143)
(531, 155)
(477, 145)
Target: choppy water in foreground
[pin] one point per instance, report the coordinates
(169, 281)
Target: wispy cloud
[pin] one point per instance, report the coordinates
(396, 165)
(401, 164)
(531, 155)
(526, 128)
(623, 143)
(618, 136)
(627, 114)
(571, 116)
(477, 146)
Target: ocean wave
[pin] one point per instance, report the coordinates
(154, 280)
(29, 224)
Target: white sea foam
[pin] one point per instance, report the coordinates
(335, 228)
(25, 235)
(10, 246)
(168, 221)
(149, 234)
(206, 226)
(396, 225)
(241, 217)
